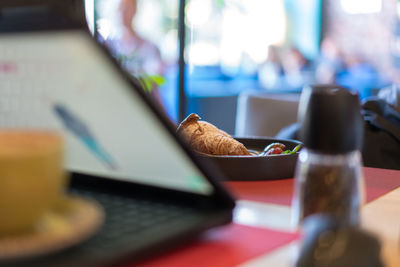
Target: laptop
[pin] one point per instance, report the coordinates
(121, 150)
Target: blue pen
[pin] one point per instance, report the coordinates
(81, 131)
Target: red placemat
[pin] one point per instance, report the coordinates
(277, 192)
(227, 246)
(377, 183)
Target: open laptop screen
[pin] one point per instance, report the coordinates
(61, 80)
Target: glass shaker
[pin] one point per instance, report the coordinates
(328, 176)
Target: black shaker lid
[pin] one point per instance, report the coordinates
(330, 118)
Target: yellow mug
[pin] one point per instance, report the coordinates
(32, 177)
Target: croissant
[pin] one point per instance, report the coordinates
(205, 138)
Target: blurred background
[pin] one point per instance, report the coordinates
(233, 47)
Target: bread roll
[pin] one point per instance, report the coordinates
(205, 138)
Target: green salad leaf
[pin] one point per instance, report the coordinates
(295, 150)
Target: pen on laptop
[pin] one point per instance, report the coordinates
(82, 132)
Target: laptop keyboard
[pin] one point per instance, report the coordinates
(133, 228)
(127, 219)
(128, 216)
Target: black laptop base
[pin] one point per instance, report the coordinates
(135, 229)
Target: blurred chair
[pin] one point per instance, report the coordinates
(264, 114)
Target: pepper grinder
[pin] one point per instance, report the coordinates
(328, 176)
